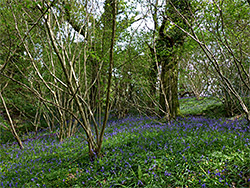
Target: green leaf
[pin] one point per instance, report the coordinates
(139, 172)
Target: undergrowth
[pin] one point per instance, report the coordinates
(137, 152)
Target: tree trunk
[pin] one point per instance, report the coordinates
(168, 47)
(167, 52)
(111, 65)
(13, 130)
(169, 77)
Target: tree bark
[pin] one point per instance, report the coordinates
(13, 130)
(169, 77)
(111, 65)
(169, 72)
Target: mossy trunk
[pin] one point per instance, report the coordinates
(169, 47)
(169, 77)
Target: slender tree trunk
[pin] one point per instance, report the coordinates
(111, 64)
(152, 76)
(13, 130)
(93, 90)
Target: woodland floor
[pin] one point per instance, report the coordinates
(192, 151)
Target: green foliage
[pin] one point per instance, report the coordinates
(6, 135)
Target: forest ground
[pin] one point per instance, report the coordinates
(200, 149)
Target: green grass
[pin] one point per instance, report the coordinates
(137, 152)
(206, 106)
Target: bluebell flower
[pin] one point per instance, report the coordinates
(167, 174)
(139, 182)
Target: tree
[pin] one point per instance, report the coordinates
(19, 100)
(59, 60)
(75, 88)
(12, 127)
(214, 24)
(168, 49)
